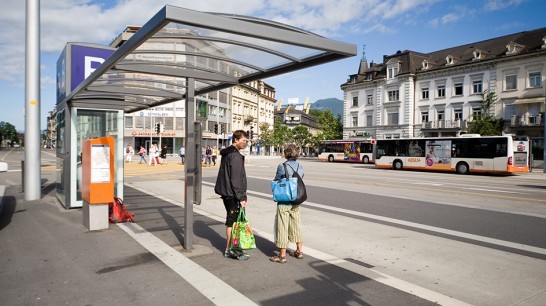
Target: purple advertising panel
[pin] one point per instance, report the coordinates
(76, 63)
(85, 60)
(61, 76)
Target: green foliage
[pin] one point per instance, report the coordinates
(315, 112)
(486, 124)
(301, 135)
(281, 134)
(331, 126)
(8, 132)
(266, 136)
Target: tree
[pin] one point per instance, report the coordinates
(8, 133)
(301, 135)
(484, 123)
(281, 134)
(330, 125)
(266, 136)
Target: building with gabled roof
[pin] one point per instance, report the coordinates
(413, 94)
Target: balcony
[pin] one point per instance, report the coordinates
(445, 124)
(527, 121)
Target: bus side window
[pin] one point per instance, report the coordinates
(502, 150)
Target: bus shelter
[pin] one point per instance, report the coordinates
(177, 55)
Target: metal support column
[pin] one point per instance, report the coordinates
(193, 167)
(32, 179)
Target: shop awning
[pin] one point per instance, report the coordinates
(216, 50)
(529, 100)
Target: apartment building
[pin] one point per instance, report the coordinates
(412, 94)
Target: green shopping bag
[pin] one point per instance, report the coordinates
(242, 237)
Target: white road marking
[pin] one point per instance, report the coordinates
(440, 202)
(427, 184)
(342, 263)
(213, 288)
(494, 241)
(491, 190)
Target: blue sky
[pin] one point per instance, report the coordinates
(384, 26)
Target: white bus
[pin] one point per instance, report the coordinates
(356, 150)
(470, 154)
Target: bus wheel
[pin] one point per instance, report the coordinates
(397, 165)
(365, 159)
(462, 168)
(331, 158)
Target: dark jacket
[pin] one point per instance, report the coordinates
(231, 180)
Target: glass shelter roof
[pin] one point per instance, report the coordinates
(216, 50)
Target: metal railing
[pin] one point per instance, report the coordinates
(527, 120)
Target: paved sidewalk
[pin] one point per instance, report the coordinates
(47, 257)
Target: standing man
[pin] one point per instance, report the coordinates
(182, 154)
(231, 186)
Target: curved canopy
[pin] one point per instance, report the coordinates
(216, 50)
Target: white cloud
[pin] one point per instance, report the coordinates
(380, 28)
(496, 5)
(448, 18)
(99, 22)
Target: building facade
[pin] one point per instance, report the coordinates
(244, 106)
(412, 94)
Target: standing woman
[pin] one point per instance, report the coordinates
(287, 218)
(152, 156)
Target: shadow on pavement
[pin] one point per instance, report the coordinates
(8, 209)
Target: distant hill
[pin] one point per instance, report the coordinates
(333, 104)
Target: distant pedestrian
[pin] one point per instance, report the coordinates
(287, 218)
(164, 155)
(214, 155)
(142, 154)
(152, 155)
(182, 154)
(203, 154)
(231, 185)
(208, 156)
(129, 152)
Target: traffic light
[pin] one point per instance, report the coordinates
(161, 127)
(216, 128)
(157, 128)
(251, 132)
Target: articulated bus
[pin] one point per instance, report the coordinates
(465, 154)
(357, 150)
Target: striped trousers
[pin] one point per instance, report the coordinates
(287, 225)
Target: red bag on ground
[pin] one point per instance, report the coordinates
(118, 212)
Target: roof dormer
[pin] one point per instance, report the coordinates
(513, 48)
(424, 65)
(393, 68)
(478, 54)
(450, 60)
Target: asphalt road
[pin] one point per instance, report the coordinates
(477, 238)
